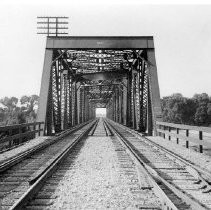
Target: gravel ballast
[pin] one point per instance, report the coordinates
(102, 176)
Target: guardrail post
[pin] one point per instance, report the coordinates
(34, 129)
(159, 127)
(169, 133)
(19, 133)
(180, 132)
(177, 137)
(200, 138)
(39, 128)
(164, 135)
(187, 142)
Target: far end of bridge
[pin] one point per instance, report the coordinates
(82, 73)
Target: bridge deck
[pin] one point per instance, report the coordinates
(201, 159)
(100, 175)
(104, 164)
(8, 155)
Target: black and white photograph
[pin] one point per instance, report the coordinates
(105, 105)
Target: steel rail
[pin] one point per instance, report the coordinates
(203, 174)
(155, 178)
(108, 131)
(94, 128)
(48, 171)
(18, 158)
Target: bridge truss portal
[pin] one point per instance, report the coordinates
(81, 74)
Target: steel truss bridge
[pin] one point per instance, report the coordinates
(81, 74)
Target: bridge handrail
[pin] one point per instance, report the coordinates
(165, 129)
(16, 132)
(8, 127)
(185, 127)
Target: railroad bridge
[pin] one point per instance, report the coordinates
(81, 74)
(70, 159)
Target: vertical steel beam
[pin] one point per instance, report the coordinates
(138, 96)
(154, 89)
(134, 101)
(114, 106)
(65, 119)
(56, 91)
(81, 104)
(143, 80)
(83, 108)
(120, 104)
(45, 86)
(70, 101)
(76, 105)
(73, 102)
(117, 104)
(149, 115)
(49, 112)
(124, 96)
(87, 105)
(129, 87)
(59, 89)
(78, 101)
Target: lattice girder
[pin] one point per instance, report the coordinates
(80, 79)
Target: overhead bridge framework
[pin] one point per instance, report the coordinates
(81, 74)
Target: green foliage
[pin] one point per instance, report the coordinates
(176, 109)
(190, 111)
(10, 103)
(29, 104)
(209, 112)
(11, 113)
(2, 115)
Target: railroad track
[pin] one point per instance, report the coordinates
(98, 167)
(186, 185)
(17, 174)
(112, 160)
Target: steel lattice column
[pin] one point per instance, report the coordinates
(114, 106)
(75, 104)
(129, 88)
(143, 96)
(80, 105)
(48, 124)
(153, 90)
(64, 99)
(134, 100)
(45, 87)
(117, 103)
(138, 97)
(70, 101)
(120, 104)
(84, 105)
(78, 102)
(124, 96)
(87, 107)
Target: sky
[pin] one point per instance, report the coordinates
(100, 112)
(182, 36)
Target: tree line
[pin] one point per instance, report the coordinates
(190, 111)
(17, 111)
(176, 109)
